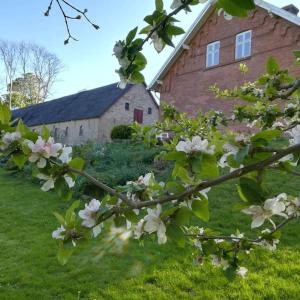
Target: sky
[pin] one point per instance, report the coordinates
(89, 62)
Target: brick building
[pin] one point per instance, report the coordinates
(213, 48)
(91, 115)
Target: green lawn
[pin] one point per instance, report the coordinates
(29, 269)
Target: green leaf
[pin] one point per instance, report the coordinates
(64, 255)
(77, 163)
(242, 153)
(250, 191)
(266, 135)
(175, 233)
(200, 209)
(206, 166)
(174, 187)
(60, 218)
(45, 133)
(297, 53)
(137, 77)
(131, 216)
(183, 174)
(120, 221)
(175, 155)
(62, 189)
(159, 5)
(174, 30)
(70, 214)
(131, 35)
(238, 8)
(183, 216)
(4, 114)
(272, 66)
(19, 159)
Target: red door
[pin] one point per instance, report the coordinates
(138, 116)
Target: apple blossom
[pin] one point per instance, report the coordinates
(43, 149)
(8, 138)
(196, 145)
(242, 271)
(273, 206)
(158, 43)
(89, 214)
(66, 155)
(153, 223)
(295, 134)
(59, 233)
(293, 207)
(219, 262)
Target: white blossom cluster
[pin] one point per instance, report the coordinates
(281, 205)
(197, 144)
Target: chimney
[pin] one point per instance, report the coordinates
(292, 9)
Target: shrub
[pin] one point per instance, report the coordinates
(121, 132)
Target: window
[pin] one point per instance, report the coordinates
(81, 131)
(67, 131)
(243, 44)
(213, 54)
(126, 106)
(149, 110)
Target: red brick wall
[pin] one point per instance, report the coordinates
(187, 82)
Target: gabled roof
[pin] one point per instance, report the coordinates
(83, 105)
(199, 22)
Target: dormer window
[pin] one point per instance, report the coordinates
(213, 54)
(243, 44)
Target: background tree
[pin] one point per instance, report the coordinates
(30, 72)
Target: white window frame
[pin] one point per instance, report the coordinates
(244, 41)
(213, 51)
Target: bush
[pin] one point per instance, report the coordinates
(121, 132)
(117, 163)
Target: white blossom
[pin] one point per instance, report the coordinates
(220, 262)
(146, 180)
(293, 207)
(269, 245)
(40, 150)
(123, 80)
(273, 206)
(153, 223)
(59, 233)
(158, 43)
(118, 49)
(9, 138)
(121, 232)
(49, 182)
(242, 271)
(295, 134)
(196, 145)
(66, 155)
(89, 214)
(138, 230)
(237, 237)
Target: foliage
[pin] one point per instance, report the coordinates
(203, 155)
(150, 271)
(121, 132)
(117, 163)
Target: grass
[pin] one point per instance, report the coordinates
(29, 269)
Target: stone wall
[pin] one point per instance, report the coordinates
(98, 129)
(186, 84)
